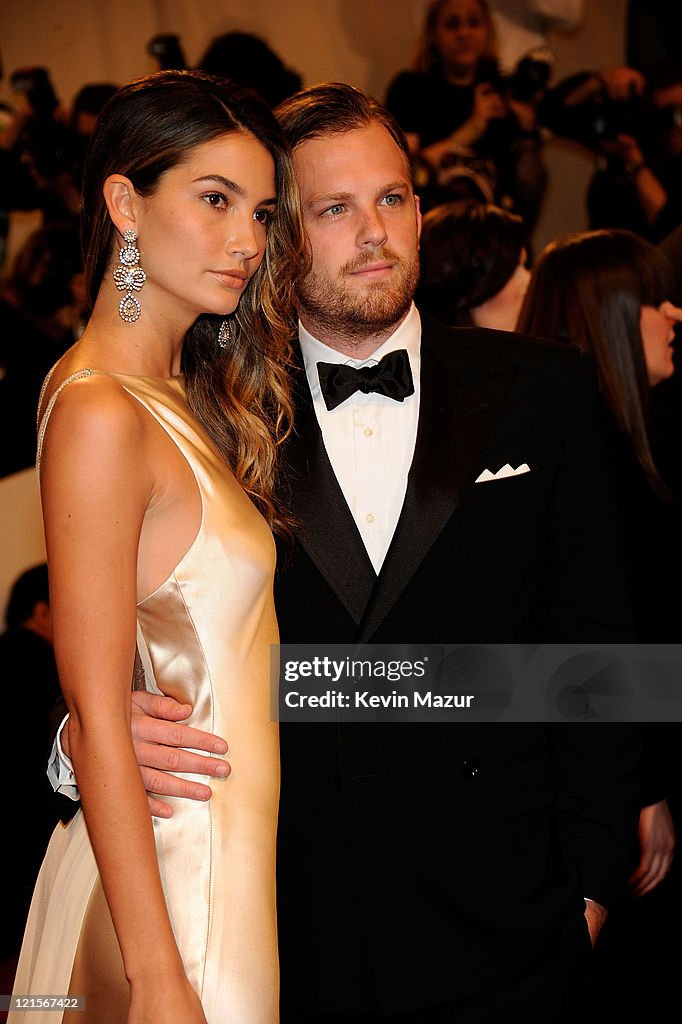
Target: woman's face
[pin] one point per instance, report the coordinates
(202, 234)
(461, 35)
(657, 324)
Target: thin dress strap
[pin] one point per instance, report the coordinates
(42, 420)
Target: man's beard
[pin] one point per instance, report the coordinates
(326, 302)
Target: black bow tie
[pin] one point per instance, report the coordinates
(391, 376)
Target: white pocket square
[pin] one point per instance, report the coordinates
(507, 470)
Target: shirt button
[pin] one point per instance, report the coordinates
(369, 517)
(368, 431)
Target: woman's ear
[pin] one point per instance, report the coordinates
(120, 197)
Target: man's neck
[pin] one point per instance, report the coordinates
(354, 347)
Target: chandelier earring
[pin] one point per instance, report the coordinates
(225, 333)
(129, 277)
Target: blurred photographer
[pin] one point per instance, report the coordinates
(167, 51)
(630, 128)
(39, 138)
(470, 134)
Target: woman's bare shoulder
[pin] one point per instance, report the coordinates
(82, 388)
(89, 411)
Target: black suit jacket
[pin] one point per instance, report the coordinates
(419, 863)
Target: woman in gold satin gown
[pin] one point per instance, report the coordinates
(157, 440)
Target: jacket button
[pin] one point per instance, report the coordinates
(470, 766)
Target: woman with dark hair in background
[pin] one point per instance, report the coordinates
(472, 265)
(157, 466)
(608, 292)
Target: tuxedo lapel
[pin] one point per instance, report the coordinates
(324, 525)
(456, 414)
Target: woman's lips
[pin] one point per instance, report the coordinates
(231, 278)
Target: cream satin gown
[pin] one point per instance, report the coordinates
(204, 637)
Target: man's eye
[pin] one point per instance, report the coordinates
(392, 200)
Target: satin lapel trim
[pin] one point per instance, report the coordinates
(456, 417)
(324, 526)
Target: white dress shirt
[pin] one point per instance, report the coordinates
(369, 438)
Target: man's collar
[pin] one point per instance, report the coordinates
(407, 335)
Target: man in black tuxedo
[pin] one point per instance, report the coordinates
(431, 872)
(437, 870)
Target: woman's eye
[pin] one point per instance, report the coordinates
(335, 210)
(215, 199)
(263, 216)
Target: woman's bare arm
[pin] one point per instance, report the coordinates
(96, 484)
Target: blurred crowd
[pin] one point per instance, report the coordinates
(477, 125)
(478, 104)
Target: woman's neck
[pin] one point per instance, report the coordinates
(459, 76)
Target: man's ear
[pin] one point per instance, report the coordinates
(121, 199)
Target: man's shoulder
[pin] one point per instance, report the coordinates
(483, 349)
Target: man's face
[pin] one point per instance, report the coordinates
(362, 222)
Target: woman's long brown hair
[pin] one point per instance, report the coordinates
(240, 393)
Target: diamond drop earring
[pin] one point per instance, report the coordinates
(225, 333)
(129, 277)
